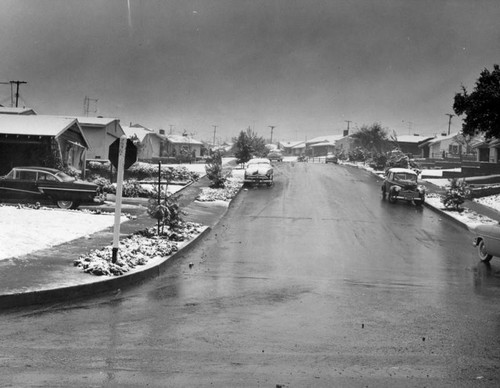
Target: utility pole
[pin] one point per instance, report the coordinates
(449, 121)
(272, 129)
(215, 130)
(17, 90)
(348, 122)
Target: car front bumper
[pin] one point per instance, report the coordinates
(409, 195)
(258, 179)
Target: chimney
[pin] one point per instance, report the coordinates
(161, 131)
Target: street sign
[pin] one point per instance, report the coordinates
(130, 153)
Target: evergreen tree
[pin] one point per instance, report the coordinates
(481, 107)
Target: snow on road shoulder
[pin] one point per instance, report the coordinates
(468, 217)
(26, 230)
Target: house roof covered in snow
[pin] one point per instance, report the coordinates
(140, 132)
(179, 139)
(16, 111)
(415, 139)
(38, 125)
(325, 139)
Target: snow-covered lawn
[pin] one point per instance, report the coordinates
(24, 230)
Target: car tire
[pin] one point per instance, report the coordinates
(67, 204)
(420, 202)
(481, 251)
(392, 196)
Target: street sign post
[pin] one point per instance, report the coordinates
(122, 156)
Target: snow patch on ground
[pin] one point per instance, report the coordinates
(467, 216)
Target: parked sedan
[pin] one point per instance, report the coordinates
(275, 155)
(402, 184)
(42, 184)
(331, 158)
(487, 241)
(259, 170)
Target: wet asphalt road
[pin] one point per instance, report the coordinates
(313, 282)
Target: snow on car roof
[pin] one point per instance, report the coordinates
(259, 160)
(405, 170)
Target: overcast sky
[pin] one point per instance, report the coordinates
(306, 67)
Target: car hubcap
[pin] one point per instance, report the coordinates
(64, 204)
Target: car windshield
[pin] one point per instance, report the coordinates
(64, 177)
(403, 176)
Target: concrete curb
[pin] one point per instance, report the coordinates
(101, 286)
(446, 215)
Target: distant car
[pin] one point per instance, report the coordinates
(331, 158)
(487, 241)
(259, 170)
(275, 155)
(42, 184)
(402, 184)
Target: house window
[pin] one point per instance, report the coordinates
(453, 149)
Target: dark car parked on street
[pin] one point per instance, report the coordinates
(331, 158)
(275, 155)
(402, 184)
(42, 184)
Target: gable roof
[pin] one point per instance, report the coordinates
(140, 132)
(38, 125)
(330, 139)
(415, 139)
(441, 138)
(16, 111)
(291, 144)
(179, 139)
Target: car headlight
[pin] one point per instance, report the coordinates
(397, 188)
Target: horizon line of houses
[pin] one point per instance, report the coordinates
(29, 138)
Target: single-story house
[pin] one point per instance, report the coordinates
(159, 145)
(444, 146)
(487, 150)
(100, 132)
(321, 145)
(409, 144)
(40, 141)
(344, 144)
(293, 147)
(5, 110)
